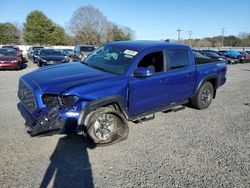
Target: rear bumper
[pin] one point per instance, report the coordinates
(54, 121)
(9, 65)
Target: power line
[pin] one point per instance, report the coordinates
(179, 33)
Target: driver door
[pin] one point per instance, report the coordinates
(149, 93)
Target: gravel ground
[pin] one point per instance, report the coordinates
(189, 148)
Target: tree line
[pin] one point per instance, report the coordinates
(242, 40)
(88, 25)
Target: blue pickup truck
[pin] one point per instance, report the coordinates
(117, 83)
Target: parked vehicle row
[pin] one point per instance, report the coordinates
(231, 56)
(48, 56)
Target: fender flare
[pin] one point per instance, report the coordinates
(95, 104)
(206, 79)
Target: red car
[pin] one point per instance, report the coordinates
(19, 52)
(9, 59)
(246, 55)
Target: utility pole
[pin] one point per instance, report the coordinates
(190, 36)
(222, 36)
(179, 33)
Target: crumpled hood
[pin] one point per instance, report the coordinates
(59, 78)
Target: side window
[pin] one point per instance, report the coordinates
(177, 59)
(153, 61)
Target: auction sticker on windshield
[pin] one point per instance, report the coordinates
(130, 52)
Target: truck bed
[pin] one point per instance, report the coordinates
(200, 60)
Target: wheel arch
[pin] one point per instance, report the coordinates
(212, 79)
(116, 101)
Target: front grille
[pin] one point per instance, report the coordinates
(26, 96)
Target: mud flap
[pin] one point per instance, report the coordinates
(48, 124)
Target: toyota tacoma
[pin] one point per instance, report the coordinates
(119, 82)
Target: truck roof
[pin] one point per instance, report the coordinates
(139, 45)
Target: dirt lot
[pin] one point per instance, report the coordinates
(190, 148)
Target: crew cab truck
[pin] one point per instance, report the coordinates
(119, 82)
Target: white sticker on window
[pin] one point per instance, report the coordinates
(130, 52)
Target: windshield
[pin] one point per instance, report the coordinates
(214, 54)
(66, 51)
(113, 59)
(50, 53)
(7, 53)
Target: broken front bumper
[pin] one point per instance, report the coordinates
(53, 121)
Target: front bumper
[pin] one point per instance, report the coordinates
(53, 121)
(8, 65)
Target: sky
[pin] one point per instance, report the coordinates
(150, 19)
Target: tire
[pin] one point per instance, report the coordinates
(39, 64)
(203, 97)
(18, 67)
(107, 126)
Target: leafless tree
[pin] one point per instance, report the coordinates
(89, 25)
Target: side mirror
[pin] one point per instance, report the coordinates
(142, 72)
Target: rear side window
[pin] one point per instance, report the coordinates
(177, 59)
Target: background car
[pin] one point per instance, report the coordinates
(236, 54)
(19, 52)
(212, 55)
(231, 59)
(82, 51)
(30, 51)
(9, 59)
(35, 56)
(246, 55)
(197, 54)
(69, 53)
(50, 57)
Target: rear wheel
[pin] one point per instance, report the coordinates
(204, 96)
(107, 126)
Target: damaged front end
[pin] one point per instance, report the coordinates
(52, 123)
(59, 115)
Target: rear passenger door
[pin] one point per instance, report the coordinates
(180, 75)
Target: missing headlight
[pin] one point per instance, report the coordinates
(50, 100)
(69, 101)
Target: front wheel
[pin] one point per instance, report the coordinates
(204, 96)
(107, 126)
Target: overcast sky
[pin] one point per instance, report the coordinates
(151, 19)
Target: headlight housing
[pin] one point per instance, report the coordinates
(54, 100)
(69, 101)
(14, 61)
(50, 100)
